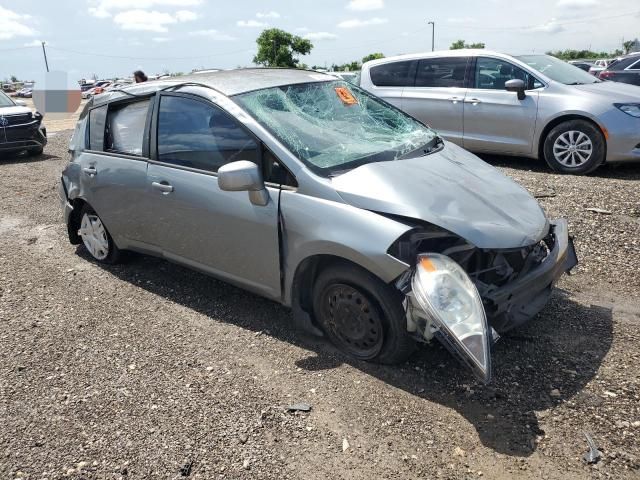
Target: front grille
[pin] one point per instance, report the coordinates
(18, 119)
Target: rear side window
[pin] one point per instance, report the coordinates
(199, 135)
(125, 129)
(97, 121)
(442, 72)
(396, 74)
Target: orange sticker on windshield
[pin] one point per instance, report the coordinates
(346, 96)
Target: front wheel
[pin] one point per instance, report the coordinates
(361, 315)
(575, 146)
(96, 238)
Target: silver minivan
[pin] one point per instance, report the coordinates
(532, 105)
(310, 191)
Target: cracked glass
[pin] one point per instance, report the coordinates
(335, 126)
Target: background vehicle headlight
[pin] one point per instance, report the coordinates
(632, 109)
(446, 293)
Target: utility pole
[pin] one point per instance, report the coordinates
(44, 51)
(433, 34)
(274, 52)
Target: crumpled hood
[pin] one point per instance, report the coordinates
(14, 110)
(614, 91)
(452, 189)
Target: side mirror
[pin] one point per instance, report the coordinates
(21, 103)
(516, 85)
(243, 176)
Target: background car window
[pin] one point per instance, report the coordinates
(395, 74)
(97, 120)
(195, 134)
(125, 127)
(493, 74)
(441, 72)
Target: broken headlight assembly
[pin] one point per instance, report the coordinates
(446, 294)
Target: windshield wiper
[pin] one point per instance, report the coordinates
(431, 146)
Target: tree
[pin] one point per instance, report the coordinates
(277, 48)
(459, 44)
(14, 79)
(628, 45)
(372, 56)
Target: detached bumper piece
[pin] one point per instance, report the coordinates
(16, 137)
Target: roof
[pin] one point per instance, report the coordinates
(464, 52)
(228, 82)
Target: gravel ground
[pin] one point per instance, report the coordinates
(149, 370)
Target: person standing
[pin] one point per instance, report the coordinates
(139, 76)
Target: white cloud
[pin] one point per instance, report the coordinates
(363, 5)
(35, 43)
(212, 34)
(185, 15)
(357, 23)
(160, 39)
(13, 24)
(577, 3)
(250, 24)
(270, 14)
(105, 8)
(551, 26)
(461, 20)
(320, 36)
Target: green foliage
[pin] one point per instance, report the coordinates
(14, 79)
(628, 45)
(459, 44)
(277, 48)
(372, 56)
(346, 67)
(582, 54)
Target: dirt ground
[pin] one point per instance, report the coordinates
(149, 370)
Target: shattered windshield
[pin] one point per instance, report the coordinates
(336, 126)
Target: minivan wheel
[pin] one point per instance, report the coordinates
(361, 315)
(96, 238)
(575, 146)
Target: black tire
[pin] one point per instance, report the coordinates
(350, 303)
(35, 152)
(113, 254)
(580, 166)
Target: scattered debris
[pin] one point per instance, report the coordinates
(593, 455)
(246, 464)
(598, 210)
(459, 452)
(243, 437)
(299, 407)
(345, 445)
(555, 393)
(185, 470)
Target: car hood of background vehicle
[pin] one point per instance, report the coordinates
(452, 189)
(14, 110)
(614, 91)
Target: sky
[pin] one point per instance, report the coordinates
(111, 38)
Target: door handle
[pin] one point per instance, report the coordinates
(91, 171)
(474, 101)
(163, 187)
(454, 99)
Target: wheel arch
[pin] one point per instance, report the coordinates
(565, 118)
(74, 220)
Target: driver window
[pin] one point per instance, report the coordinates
(493, 73)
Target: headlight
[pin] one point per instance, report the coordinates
(446, 293)
(632, 109)
(36, 115)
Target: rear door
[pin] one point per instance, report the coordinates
(495, 120)
(114, 168)
(195, 222)
(388, 80)
(437, 96)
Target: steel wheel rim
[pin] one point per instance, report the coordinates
(94, 236)
(573, 149)
(353, 321)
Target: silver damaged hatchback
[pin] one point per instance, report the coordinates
(314, 193)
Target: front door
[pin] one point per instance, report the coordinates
(195, 222)
(495, 120)
(438, 95)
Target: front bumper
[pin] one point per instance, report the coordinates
(22, 137)
(513, 304)
(623, 136)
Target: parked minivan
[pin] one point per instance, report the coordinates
(532, 106)
(310, 191)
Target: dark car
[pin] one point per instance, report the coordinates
(20, 128)
(624, 70)
(586, 66)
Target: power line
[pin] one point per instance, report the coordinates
(18, 48)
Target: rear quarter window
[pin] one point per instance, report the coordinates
(394, 74)
(125, 127)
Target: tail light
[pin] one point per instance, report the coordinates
(605, 75)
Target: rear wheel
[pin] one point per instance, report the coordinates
(35, 152)
(361, 315)
(96, 238)
(575, 146)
